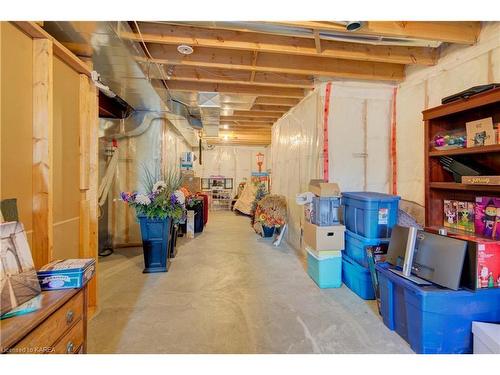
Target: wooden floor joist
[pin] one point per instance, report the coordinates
(277, 63)
(243, 41)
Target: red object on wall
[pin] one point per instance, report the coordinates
(326, 113)
(394, 161)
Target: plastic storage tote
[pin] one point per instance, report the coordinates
(371, 215)
(355, 246)
(357, 278)
(326, 272)
(433, 319)
(325, 211)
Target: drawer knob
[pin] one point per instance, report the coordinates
(69, 316)
(69, 347)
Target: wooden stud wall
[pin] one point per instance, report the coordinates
(45, 49)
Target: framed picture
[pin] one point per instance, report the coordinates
(228, 183)
(18, 279)
(205, 184)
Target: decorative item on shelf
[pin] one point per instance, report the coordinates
(487, 217)
(448, 141)
(480, 132)
(481, 180)
(270, 213)
(161, 206)
(18, 280)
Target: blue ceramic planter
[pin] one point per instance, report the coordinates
(267, 231)
(155, 243)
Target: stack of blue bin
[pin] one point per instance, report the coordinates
(368, 218)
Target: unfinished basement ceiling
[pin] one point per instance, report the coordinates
(262, 69)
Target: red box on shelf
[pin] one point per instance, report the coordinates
(482, 262)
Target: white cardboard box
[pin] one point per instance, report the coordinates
(486, 338)
(324, 238)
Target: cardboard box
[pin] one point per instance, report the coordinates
(480, 132)
(482, 262)
(324, 238)
(66, 274)
(324, 189)
(449, 213)
(487, 217)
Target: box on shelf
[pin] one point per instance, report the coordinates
(357, 278)
(450, 214)
(370, 214)
(480, 132)
(323, 211)
(486, 338)
(66, 274)
(465, 216)
(356, 245)
(432, 319)
(324, 238)
(324, 189)
(326, 271)
(487, 216)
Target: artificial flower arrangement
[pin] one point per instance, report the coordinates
(271, 211)
(192, 201)
(162, 198)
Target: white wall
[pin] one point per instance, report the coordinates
(358, 148)
(458, 68)
(237, 162)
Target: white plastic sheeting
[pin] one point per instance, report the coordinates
(358, 139)
(160, 145)
(237, 162)
(458, 69)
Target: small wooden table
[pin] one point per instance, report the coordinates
(58, 327)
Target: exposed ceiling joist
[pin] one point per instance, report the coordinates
(465, 32)
(199, 74)
(232, 88)
(245, 123)
(237, 40)
(249, 119)
(279, 63)
(253, 113)
(263, 100)
(270, 108)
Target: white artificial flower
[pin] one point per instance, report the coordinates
(142, 199)
(180, 196)
(159, 185)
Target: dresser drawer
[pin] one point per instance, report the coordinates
(71, 341)
(46, 334)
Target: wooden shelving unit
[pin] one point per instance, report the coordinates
(439, 183)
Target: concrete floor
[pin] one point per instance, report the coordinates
(230, 291)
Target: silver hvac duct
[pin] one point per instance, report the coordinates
(115, 60)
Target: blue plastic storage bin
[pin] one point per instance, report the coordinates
(357, 278)
(432, 319)
(369, 214)
(355, 246)
(325, 211)
(326, 272)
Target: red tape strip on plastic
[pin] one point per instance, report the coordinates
(394, 160)
(326, 113)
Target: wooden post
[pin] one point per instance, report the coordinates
(89, 179)
(42, 244)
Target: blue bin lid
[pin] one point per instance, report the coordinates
(370, 196)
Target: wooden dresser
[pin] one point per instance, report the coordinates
(58, 327)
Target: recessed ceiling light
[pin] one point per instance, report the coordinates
(226, 126)
(185, 49)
